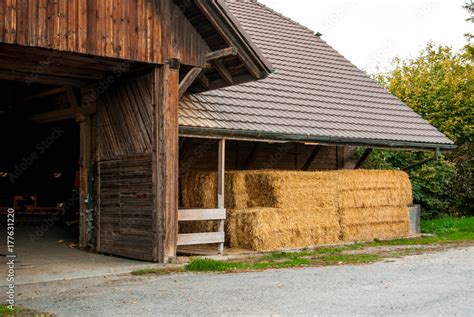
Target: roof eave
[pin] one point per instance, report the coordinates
(246, 135)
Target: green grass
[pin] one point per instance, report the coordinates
(5, 311)
(19, 311)
(158, 271)
(445, 230)
(208, 265)
(350, 258)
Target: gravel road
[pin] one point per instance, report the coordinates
(430, 284)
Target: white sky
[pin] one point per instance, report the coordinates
(370, 33)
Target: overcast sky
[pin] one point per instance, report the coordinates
(371, 33)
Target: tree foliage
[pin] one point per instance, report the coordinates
(437, 85)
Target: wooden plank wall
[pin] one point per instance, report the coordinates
(125, 114)
(142, 30)
(126, 207)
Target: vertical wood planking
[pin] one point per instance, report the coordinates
(32, 23)
(91, 43)
(2, 20)
(72, 27)
(50, 24)
(42, 38)
(62, 24)
(82, 26)
(142, 30)
(22, 22)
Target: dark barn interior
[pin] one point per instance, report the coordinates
(39, 164)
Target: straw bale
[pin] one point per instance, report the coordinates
(278, 209)
(372, 231)
(264, 229)
(361, 216)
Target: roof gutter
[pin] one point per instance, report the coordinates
(215, 133)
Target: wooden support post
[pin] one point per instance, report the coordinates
(165, 161)
(363, 158)
(221, 189)
(85, 157)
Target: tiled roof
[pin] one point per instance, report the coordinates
(315, 94)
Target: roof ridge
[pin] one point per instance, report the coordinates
(276, 13)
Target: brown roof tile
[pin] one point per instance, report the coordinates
(315, 94)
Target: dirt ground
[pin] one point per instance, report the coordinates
(433, 283)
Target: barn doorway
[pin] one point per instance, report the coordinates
(39, 173)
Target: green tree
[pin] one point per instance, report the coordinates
(469, 6)
(437, 85)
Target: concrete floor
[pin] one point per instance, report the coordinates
(49, 253)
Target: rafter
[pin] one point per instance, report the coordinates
(230, 51)
(188, 80)
(223, 71)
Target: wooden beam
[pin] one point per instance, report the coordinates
(251, 157)
(47, 93)
(363, 158)
(201, 214)
(72, 98)
(28, 78)
(223, 71)
(63, 114)
(188, 80)
(204, 80)
(230, 51)
(200, 238)
(221, 190)
(165, 90)
(311, 158)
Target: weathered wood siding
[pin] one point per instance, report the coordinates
(126, 207)
(139, 30)
(125, 168)
(125, 114)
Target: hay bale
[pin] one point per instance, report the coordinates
(265, 229)
(277, 209)
(362, 216)
(372, 231)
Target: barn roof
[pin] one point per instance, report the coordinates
(314, 95)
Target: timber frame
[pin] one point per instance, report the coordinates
(123, 68)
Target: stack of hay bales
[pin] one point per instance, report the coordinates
(269, 210)
(373, 204)
(282, 210)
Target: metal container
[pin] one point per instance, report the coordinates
(415, 220)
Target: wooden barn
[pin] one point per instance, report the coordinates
(113, 101)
